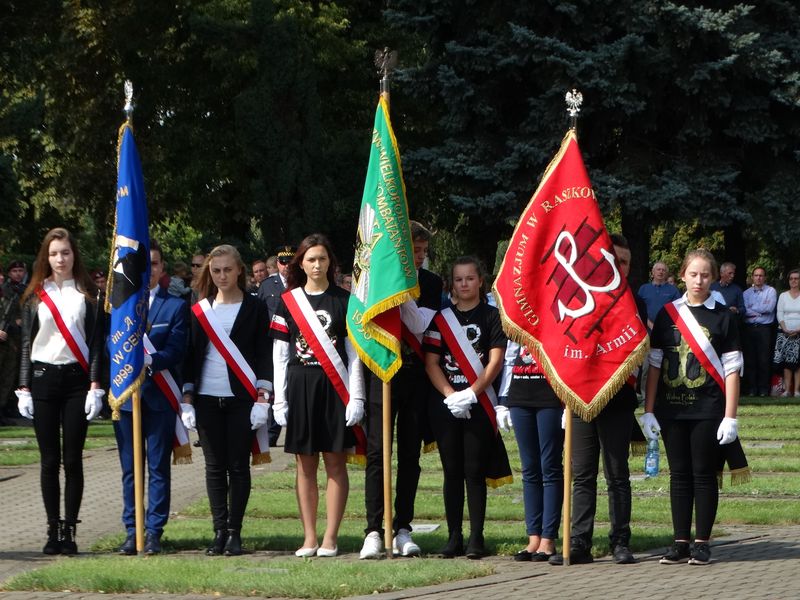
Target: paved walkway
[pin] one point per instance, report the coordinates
(751, 563)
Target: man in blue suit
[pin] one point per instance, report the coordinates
(166, 329)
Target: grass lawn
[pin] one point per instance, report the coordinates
(272, 529)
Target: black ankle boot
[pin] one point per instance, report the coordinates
(454, 546)
(68, 545)
(233, 547)
(218, 545)
(53, 545)
(475, 546)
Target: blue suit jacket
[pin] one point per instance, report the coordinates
(167, 330)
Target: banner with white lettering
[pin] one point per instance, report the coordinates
(560, 291)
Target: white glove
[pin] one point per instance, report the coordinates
(728, 431)
(148, 360)
(24, 403)
(458, 404)
(94, 403)
(354, 412)
(259, 415)
(279, 414)
(503, 417)
(188, 416)
(564, 419)
(650, 426)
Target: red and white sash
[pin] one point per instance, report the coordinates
(701, 346)
(412, 340)
(467, 358)
(72, 336)
(181, 448)
(324, 350)
(236, 362)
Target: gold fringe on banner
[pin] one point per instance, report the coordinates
(357, 459)
(429, 447)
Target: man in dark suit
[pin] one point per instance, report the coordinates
(410, 390)
(270, 292)
(167, 331)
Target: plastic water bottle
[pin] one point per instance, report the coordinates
(651, 459)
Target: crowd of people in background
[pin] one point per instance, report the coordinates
(256, 352)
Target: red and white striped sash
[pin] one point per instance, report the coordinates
(701, 346)
(324, 350)
(72, 336)
(467, 358)
(412, 341)
(236, 362)
(169, 387)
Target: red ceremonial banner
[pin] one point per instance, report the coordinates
(561, 294)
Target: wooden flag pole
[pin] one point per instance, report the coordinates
(387, 467)
(567, 512)
(138, 472)
(386, 61)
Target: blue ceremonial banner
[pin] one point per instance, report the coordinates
(128, 284)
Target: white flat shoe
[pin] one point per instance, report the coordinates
(327, 552)
(306, 552)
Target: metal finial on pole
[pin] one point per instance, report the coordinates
(128, 109)
(574, 99)
(386, 62)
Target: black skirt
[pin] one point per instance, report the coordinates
(316, 421)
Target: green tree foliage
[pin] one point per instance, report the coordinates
(691, 112)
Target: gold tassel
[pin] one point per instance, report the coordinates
(182, 455)
(638, 448)
(429, 447)
(500, 481)
(740, 476)
(357, 459)
(262, 458)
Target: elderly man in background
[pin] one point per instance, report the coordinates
(657, 293)
(730, 291)
(759, 324)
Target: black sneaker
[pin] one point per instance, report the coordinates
(577, 556)
(678, 553)
(701, 554)
(622, 555)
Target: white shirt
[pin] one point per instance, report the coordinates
(49, 346)
(789, 311)
(214, 379)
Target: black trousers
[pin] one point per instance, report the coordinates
(226, 438)
(410, 391)
(59, 420)
(758, 358)
(464, 448)
(610, 434)
(694, 456)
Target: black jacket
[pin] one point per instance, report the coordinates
(94, 326)
(250, 333)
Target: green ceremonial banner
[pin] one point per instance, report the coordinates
(384, 275)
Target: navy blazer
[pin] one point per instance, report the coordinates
(167, 330)
(250, 333)
(270, 292)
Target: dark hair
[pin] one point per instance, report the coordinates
(470, 260)
(619, 240)
(205, 285)
(256, 261)
(792, 272)
(295, 276)
(420, 232)
(705, 255)
(42, 269)
(154, 245)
